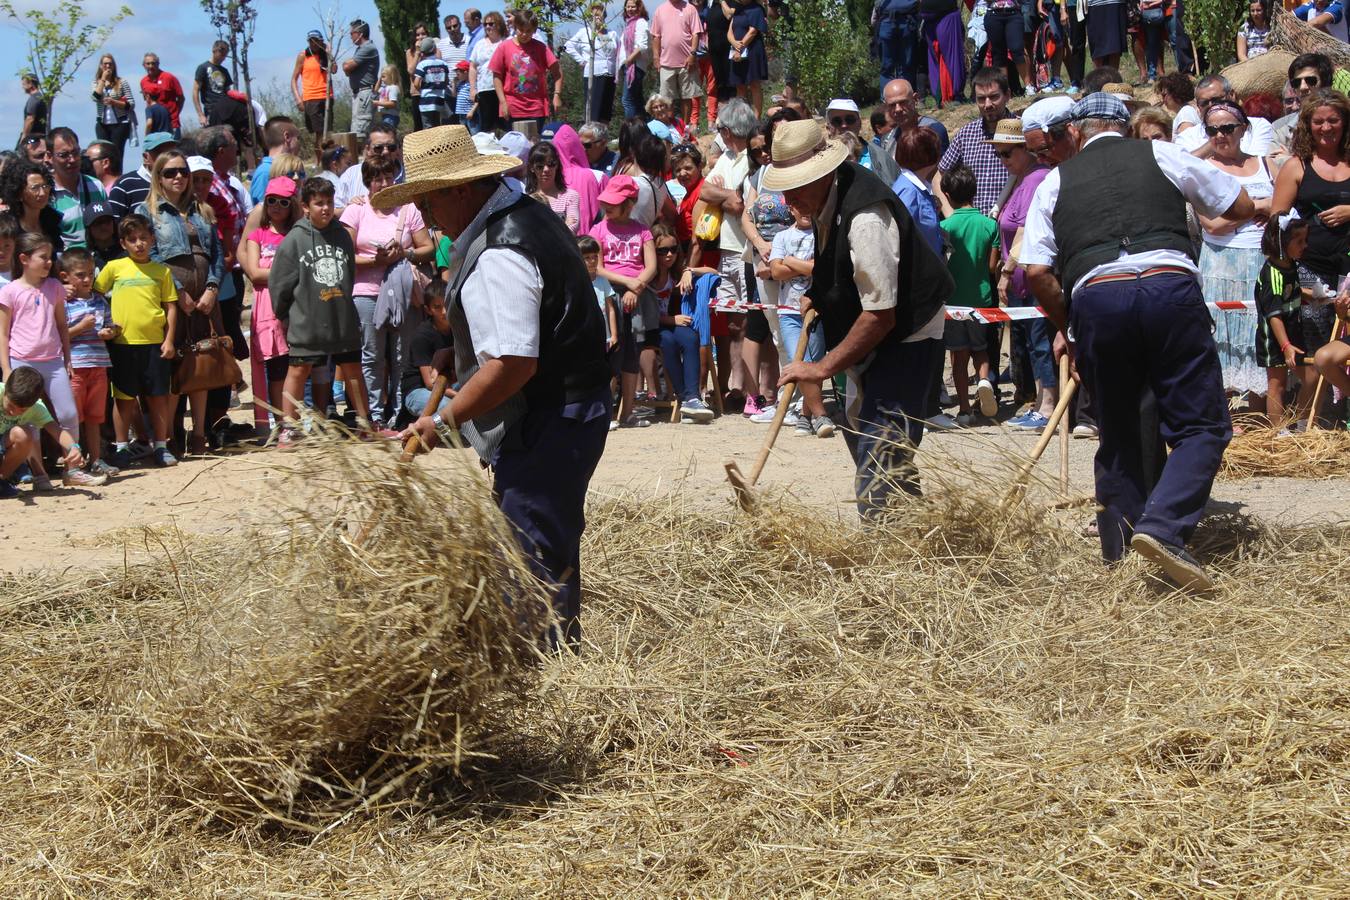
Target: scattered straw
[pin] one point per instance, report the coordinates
(1314, 453)
(961, 703)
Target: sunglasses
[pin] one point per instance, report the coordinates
(683, 148)
(759, 150)
(844, 121)
(278, 201)
(383, 148)
(30, 141)
(177, 172)
(667, 249)
(1305, 81)
(589, 144)
(1225, 130)
(1040, 152)
(544, 165)
(1004, 154)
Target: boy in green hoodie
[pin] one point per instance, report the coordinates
(311, 287)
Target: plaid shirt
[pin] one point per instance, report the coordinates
(971, 146)
(229, 214)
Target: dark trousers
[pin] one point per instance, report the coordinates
(541, 473)
(894, 393)
(679, 354)
(486, 119)
(898, 40)
(117, 135)
(1151, 333)
(632, 93)
(602, 98)
(1075, 53)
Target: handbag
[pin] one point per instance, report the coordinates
(708, 223)
(1154, 15)
(205, 365)
(420, 279)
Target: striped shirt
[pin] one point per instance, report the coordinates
(971, 147)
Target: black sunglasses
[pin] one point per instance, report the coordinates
(1227, 129)
(33, 139)
(383, 148)
(1004, 154)
(842, 121)
(1305, 81)
(176, 171)
(667, 249)
(590, 144)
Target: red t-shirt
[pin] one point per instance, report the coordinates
(166, 91)
(524, 75)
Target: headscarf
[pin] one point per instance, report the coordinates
(579, 174)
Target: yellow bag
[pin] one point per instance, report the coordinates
(708, 223)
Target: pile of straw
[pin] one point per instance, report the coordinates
(327, 666)
(963, 702)
(1264, 74)
(1314, 453)
(1291, 34)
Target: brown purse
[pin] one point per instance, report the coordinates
(205, 365)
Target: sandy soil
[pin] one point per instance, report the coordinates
(80, 528)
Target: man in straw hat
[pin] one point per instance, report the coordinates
(880, 293)
(1111, 221)
(533, 396)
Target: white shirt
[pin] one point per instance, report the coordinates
(733, 168)
(606, 53)
(480, 57)
(349, 187)
(1187, 115)
(641, 43)
(453, 53)
(501, 299)
(1258, 141)
(1210, 191)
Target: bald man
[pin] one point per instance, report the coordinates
(902, 112)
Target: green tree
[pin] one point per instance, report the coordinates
(829, 53)
(59, 41)
(397, 18)
(1213, 24)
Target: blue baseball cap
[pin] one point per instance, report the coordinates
(156, 139)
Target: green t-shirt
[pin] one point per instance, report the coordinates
(972, 236)
(443, 248)
(35, 415)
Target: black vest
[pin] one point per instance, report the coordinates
(925, 285)
(572, 363)
(1114, 198)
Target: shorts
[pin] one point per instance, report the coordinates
(319, 359)
(731, 292)
(680, 84)
(314, 116)
(90, 387)
(965, 335)
(757, 326)
(139, 371)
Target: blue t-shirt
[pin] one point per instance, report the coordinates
(922, 208)
(257, 183)
(435, 75)
(463, 100)
(87, 350)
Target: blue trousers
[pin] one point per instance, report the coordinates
(1135, 335)
(631, 94)
(893, 393)
(898, 39)
(679, 353)
(541, 473)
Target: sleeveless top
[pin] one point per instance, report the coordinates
(1326, 246)
(1247, 236)
(313, 79)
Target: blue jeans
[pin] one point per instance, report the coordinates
(894, 393)
(790, 324)
(632, 94)
(1035, 335)
(415, 401)
(384, 350)
(679, 354)
(898, 38)
(1136, 335)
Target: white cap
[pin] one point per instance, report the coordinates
(487, 145)
(515, 144)
(1045, 112)
(199, 164)
(843, 104)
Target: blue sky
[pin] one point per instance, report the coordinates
(178, 31)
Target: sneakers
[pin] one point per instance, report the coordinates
(965, 420)
(1085, 431)
(822, 426)
(633, 422)
(754, 405)
(697, 410)
(163, 458)
(1032, 421)
(1073, 89)
(8, 490)
(138, 450)
(1056, 84)
(102, 468)
(940, 422)
(803, 427)
(118, 459)
(765, 416)
(1179, 566)
(1030, 90)
(988, 400)
(288, 439)
(81, 478)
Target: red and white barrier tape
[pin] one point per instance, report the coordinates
(989, 316)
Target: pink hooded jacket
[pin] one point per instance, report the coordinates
(579, 174)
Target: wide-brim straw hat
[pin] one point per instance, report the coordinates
(439, 158)
(802, 153)
(1008, 131)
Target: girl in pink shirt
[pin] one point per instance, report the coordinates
(628, 260)
(268, 350)
(544, 181)
(33, 333)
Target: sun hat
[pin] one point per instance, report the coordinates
(1119, 89)
(1046, 112)
(843, 104)
(199, 164)
(802, 153)
(620, 189)
(156, 139)
(1100, 106)
(428, 45)
(439, 158)
(1008, 131)
(281, 186)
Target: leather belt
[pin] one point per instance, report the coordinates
(1131, 276)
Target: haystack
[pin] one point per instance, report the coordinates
(1288, 33)
(1264, 74)
(1314, 453)
(337, 658)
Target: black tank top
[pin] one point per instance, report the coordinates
(1326, 253)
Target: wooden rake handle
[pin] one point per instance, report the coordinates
(413, 445)
(784, 401)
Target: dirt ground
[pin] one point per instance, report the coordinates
(81, 528)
